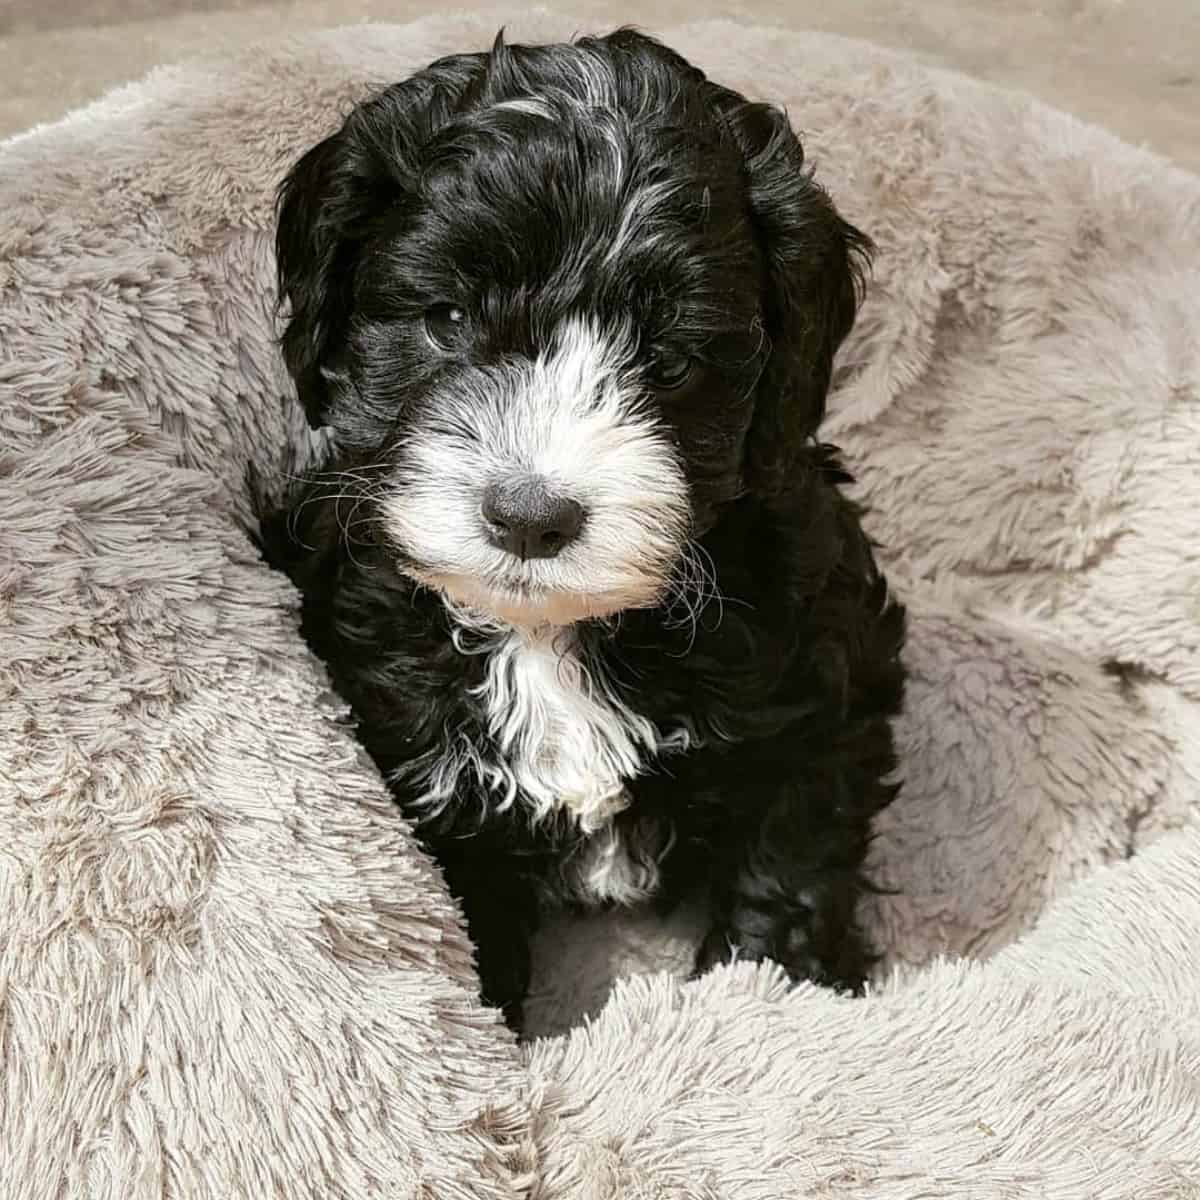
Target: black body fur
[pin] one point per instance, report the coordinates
(787, 688)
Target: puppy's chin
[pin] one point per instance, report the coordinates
(531, 608)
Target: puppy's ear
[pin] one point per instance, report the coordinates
(322, 202)
(815, 263)
(330, 204)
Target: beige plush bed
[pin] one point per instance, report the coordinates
(225, 968)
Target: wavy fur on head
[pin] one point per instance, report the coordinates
(586, 274)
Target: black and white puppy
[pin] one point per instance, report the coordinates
(579, 565)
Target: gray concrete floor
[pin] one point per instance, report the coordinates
(1132, 65)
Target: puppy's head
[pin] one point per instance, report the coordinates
(568, 301)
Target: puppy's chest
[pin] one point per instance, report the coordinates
(549, 734)
(561, 737)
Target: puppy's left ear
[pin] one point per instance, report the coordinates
(815, 264)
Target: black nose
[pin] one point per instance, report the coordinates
(528, 520)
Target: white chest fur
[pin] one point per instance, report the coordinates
(564, 739)
(559, 738)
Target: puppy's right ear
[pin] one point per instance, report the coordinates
(333, 200)
(323, 204)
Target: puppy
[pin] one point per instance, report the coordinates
(580, 566)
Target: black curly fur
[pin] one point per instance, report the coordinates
(788, 687)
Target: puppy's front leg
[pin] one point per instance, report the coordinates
(788, 887)
(501, 908)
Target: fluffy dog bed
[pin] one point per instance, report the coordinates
(225, 969)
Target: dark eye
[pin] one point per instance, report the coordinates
(667, 372)
(445, 326)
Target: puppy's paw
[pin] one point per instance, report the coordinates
(840, 963)
(718, 947)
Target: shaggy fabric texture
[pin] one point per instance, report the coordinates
(225, 968)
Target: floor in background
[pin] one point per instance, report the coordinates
(1128, 64)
